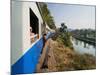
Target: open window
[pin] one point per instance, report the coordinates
(34, 26)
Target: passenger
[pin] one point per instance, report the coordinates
(44, 41)
(45, 63)
(31, 35)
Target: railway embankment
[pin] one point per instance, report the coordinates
(62, 58)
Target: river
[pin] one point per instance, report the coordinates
(83, 47)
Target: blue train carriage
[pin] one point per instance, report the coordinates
(27, 28)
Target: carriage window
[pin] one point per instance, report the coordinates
(34, 26)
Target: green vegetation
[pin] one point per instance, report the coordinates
(47, 15)
(63, 35)
(85, 33)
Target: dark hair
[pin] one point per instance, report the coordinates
(44, 39)
(44, 34)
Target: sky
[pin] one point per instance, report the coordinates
(74, 16)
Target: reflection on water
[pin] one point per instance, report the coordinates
(83, 47)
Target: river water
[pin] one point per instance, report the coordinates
(83, 47)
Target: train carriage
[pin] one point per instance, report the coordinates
(25, 53)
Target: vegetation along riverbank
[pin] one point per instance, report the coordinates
(66, 57)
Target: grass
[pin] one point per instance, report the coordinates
(67, 59)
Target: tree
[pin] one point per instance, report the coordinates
(65, 35)
(47, 15)
(63, 28)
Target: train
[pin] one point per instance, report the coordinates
(26, 20)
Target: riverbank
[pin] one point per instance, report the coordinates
(87, 40)
(83, 47)
(67, 59)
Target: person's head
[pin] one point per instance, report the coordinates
(30, 29)
(44, 36)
